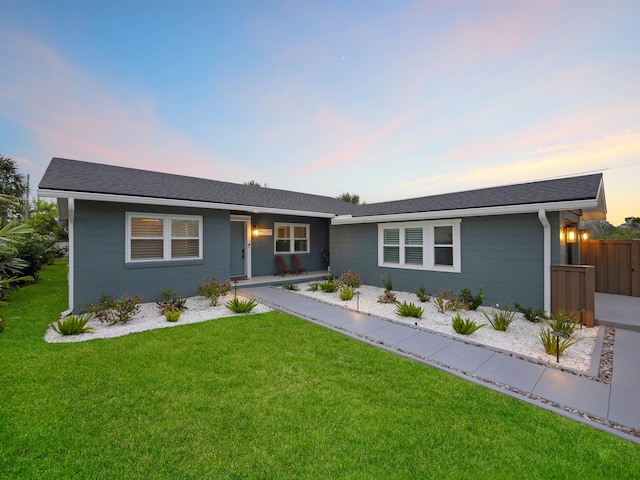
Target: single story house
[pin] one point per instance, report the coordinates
(140, 232)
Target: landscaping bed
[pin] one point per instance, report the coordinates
(198, 309)
(522, 337)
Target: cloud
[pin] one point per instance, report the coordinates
(606, 152)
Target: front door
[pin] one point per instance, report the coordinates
(238, 249)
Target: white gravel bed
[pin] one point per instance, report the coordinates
(522, 337)
(149, 318)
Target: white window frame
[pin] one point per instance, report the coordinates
(428, 245)
(291, 237)
(166, 237)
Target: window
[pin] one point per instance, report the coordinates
(152, 237)
(428, 245)
(291, 238)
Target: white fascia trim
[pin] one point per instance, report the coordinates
(107, 197)
(469, 212)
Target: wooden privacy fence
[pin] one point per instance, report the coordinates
(617, 265)
(573, 291)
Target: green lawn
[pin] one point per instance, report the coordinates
(263, 396)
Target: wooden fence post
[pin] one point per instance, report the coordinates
(573, 291)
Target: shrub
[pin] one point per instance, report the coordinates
(405, 309)
(172, 315)
(387, 297)
(468, 298)
(168, 294)
(464, 326)
(422, 293)
(550, 342)
(562, 323)
(214, 289)
(313, 287)
(72, 325)
(529, 314)
(172, 303)
(329, 286)
(37, 251)
(290, 286)
(388, 283)
(500, 319)
(349, 279)
(346, 293)
(447, 300)
(240, 305)
(113, 310)
(456, 304)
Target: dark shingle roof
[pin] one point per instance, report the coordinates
(546, 191)
(76, 176)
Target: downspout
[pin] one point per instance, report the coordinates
(542, 216)
(70, 275)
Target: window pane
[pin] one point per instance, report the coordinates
(300, 232)
(413, 255)
(443, 235)
(184, 228)
(283, 246)
(392, 236)
(185, 248)
(146, 227)
(283, 232)
(444, 256)
(413, 236)
(391, 254)
(300, 245)
(146, 249)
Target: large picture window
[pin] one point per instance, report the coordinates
(152, 237)
(427, 245)
(291, 238)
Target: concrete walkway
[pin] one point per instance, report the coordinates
(607, 407)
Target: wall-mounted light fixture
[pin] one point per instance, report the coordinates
(584, 235)
(256, 231)
(572, 234)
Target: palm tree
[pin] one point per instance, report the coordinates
(12, 189)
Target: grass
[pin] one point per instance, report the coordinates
(263, 396)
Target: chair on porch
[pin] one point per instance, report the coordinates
(282, 265)
(298, 267)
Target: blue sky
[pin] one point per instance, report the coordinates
(384, 99)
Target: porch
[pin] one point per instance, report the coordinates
(315, 275)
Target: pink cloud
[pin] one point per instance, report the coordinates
(69, 113)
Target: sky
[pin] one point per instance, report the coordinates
(383, 99)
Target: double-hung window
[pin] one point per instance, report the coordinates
(153, 237)
(291, 238)
(427, 245)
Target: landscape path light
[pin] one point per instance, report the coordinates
(558, 334)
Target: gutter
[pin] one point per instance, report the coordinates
(542, 216)
(70, 274)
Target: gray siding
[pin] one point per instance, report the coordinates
(100, 267)
(504, 254)
(263, 257)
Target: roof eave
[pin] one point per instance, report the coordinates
(106, 197)
(592, 207)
